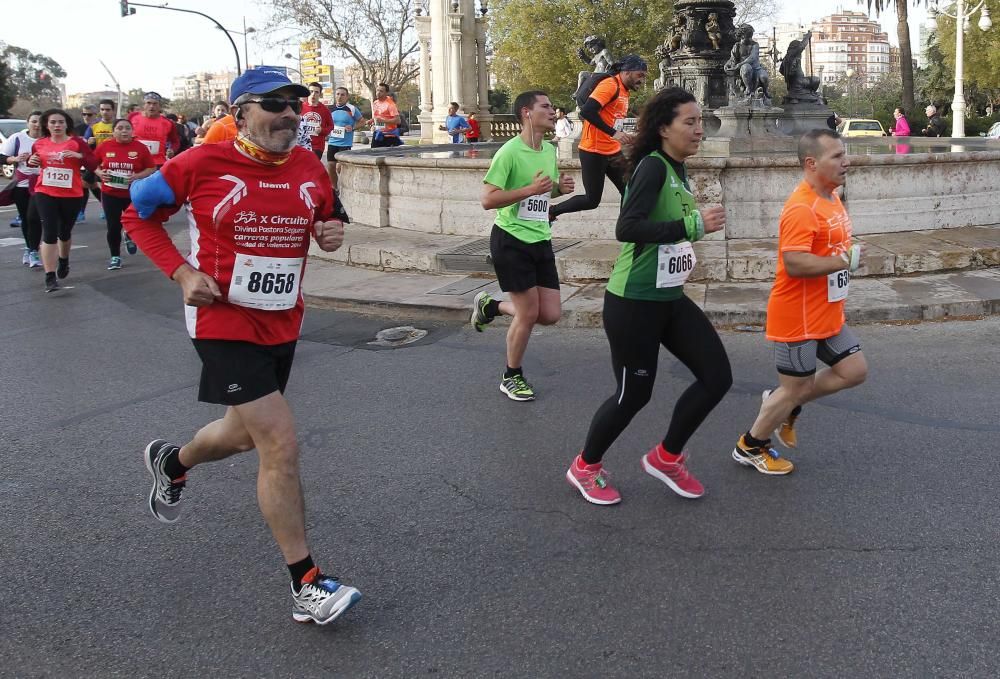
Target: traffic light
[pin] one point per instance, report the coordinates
(126, 10)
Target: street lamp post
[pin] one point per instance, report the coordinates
(962, 17)
(288, 55)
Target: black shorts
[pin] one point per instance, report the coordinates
(332, 151)
(520, 266)
(89, 177)
(234, 373)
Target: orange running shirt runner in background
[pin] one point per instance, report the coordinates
(798, 308)
(223, 129)
(612, 113)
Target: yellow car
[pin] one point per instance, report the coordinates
(859, 127)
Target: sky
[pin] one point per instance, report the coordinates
(150, 48)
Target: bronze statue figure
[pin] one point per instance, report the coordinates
(713, 31)
(744, 66)
(800, 86)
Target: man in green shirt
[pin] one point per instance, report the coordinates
(523, 176)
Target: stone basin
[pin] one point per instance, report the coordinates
(894, 185)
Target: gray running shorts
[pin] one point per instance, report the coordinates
(798, 359)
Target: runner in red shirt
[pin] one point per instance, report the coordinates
(154, 130)
(316, 119)
(123, 161)
(252, 205)
(57, 192)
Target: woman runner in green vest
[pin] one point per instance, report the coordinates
(645, 305)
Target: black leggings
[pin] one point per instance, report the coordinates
(31, 226)
(95, 189)
(635, 330)
(58, 217)
(594, 167)
(113, 209)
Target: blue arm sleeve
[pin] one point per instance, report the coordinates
(150, 193)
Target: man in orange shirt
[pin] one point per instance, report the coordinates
(602, 137)
(805, 313)
(223, 129)
(385, 119)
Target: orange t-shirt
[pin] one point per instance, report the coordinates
(384, 110)
(612, 112)
(799, 308)
(223, 129)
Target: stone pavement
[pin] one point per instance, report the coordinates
(910, 276)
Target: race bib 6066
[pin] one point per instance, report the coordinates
(674, 263)
(267, 283)
(534, 208)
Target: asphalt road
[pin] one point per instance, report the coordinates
(445, 504)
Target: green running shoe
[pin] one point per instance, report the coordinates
(517, 388)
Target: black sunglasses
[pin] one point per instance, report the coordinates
(277, 104)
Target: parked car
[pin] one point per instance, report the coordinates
(860, 127)
(9, 126)
(994, 131)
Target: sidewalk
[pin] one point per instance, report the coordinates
(407, 295)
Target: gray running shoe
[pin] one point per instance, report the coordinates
(479, 316)
(165, 497)
(322, 599)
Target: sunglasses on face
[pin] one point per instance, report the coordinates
(277, 104)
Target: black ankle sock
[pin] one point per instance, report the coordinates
(299, 570)
(796, 410)
(63, 261)
(172, 464)
(510, 372)
(50, 276)
(754, 443)
(493, 309)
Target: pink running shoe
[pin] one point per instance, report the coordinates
(674, 474)
(592, 482)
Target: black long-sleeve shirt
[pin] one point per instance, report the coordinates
(634, 224)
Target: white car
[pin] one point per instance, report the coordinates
(994, 132)
(9, 126)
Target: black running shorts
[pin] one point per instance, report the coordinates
(234, 373)
(332, 151)
(521, 266)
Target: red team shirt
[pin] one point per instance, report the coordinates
(155, 133)
(318, 123)
(122, 160)
(60, 176)
(250, 226)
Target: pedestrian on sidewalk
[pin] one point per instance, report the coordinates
(645, 305)
(523, 176)
(805, 312)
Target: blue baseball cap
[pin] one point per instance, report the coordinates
(263, 80)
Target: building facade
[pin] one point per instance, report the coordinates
(82, 98)
(204, 86)
(851, 40)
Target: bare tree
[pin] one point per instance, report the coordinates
(378, 34)
(755, 11)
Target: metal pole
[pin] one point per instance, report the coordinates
(246, 52)
(118, 87)
(958, 103)
(191, 11)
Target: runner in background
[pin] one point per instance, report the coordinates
(16, 150)
(123, 160)
(154, 130)
(316, 119)
(60, 157)
(346, 117)
(385, 119)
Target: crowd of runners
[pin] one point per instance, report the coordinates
(256, 191)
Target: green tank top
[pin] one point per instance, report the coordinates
(639, 264)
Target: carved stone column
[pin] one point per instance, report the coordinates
(483, 114)
(426, 98)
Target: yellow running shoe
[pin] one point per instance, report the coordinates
(785, 433)
(765, 459)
